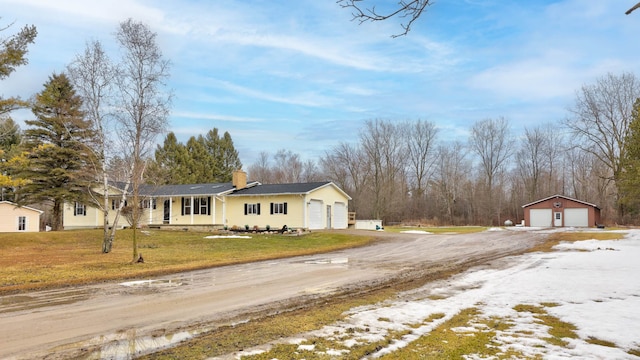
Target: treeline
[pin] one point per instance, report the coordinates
(404, 172)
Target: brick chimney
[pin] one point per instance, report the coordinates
(239, 179)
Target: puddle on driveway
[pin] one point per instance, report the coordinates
(152, 283)
(328, 261)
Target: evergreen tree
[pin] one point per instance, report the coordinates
(629, 196)
(204, 159)
(224, 157)
(10, 139)
(169, 163)
(57, 144)
(13, 51)
(198, 162)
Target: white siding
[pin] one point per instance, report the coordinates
(576, 217)
(315, 215)
(540, 217)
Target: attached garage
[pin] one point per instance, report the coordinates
(315, 215)
(561, 211)
(340, 216)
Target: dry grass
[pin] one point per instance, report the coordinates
(43, 260)
(228, 339)
(572, 236)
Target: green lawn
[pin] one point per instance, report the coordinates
(43, 260)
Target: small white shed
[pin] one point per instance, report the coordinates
(368, 224)
(14, 218)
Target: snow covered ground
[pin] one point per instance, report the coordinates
(594, 285)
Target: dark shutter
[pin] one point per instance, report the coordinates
(182, 206)
(209, 205)
(75, 209)
(195, 207)
(245, 208)
(271, 208)
(285, 208)
(84, 208)
(258, 208)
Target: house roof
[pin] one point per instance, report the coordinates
(23, 207)
(184, 190)
(563, 197)
(286, 189)
(253, 188)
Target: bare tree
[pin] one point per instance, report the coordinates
(419, 137)
(346, 165)
(93, 75)
(599, 120)
(491, 140)
(531, 160)
(145, 106)
(410, 10)
(451, 171)
(260, 170)
(310, 172)
(384, 152)
(288, 167)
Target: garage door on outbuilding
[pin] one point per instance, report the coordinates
(540, 217)
(561, 211)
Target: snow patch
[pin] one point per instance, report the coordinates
(227, 237)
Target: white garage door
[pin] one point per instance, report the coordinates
(340, 216)
(540, 217)
(576, 217)
(315, 215)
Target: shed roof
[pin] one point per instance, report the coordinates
(563, 197)
(23, 207)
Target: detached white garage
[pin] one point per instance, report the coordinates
(561, 211)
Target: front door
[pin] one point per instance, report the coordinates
(167, 212)
(557, 219)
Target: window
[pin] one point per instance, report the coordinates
(186, 206)
(79, 209)
(22, 223)
(201, 206)
(252, 209)
(279, 208)
(115, 204)
(149, 203)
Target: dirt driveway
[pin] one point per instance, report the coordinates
(60, 323)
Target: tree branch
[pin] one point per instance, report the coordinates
(633, 8)
(406, 9)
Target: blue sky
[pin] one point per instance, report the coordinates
(301, 76)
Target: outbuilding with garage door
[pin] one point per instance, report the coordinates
(561, 211)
